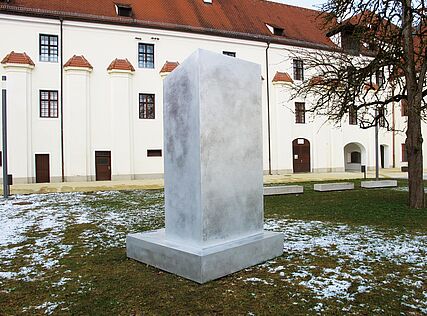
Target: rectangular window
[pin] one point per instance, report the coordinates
(381, 117)
(404, 107)
(154, 153)
(145, 55)
(352, 115)
(146, 106)
(231, 54)
(380, 78)
(48, 103)
(298, 69)
(49, 48)
(404, 153)
(299, 112)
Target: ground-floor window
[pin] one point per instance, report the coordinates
(299, 112)
(49, 103)
(154, 153)
(146, 106)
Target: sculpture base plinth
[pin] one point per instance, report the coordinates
(203, 264)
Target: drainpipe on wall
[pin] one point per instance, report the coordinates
(62, 100)
(377, 163)
(393, 126)
(268, 108)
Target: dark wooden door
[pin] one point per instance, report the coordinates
(382, 152)
(42, 168)
(301, 155)
(103, 165)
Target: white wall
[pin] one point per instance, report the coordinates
(101, 109)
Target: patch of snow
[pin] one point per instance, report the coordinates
(276, 269)
(328, 287)
(318, 307)
(49, 307)
(354, 248)
(258, 280)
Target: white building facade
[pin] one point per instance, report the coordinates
(85, 100)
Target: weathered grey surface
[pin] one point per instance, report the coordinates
(213, 171)
(324, 187)
(203, 264)
(284, 189)
(379, 184)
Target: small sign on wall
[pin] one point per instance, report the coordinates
(295, 157)
(301, 141)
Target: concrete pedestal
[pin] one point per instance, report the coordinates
(213, 172)
(203, 264)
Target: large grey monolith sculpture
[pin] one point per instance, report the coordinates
(213, 173)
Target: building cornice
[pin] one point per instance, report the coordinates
(18, 66)
(120, 72)
(80, 69)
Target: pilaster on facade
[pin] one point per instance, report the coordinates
(77, 117)
(18, 68)
(121, 102)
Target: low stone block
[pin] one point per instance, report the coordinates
(341, 186)
(203, 264)
(379, 184)
(284, 189)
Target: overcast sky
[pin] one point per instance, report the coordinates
(303, 3)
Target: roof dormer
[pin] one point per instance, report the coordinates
(275, 30)
(124, 10)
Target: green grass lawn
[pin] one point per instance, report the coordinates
(356, 252)
(377, 207)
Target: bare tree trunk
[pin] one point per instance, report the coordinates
(414, 144)
(414, 139)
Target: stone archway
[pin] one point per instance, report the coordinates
(354, 157)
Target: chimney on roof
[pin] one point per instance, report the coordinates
(207, 1)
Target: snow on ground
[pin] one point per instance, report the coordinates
(355, 249)
(33, 228)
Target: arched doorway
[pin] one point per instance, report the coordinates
(354, 157)
(301, 155)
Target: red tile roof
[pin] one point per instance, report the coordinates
(169, 66)
(282, 77)
(228, 18)
(121, 64)
(17, 58)
(78, 61)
